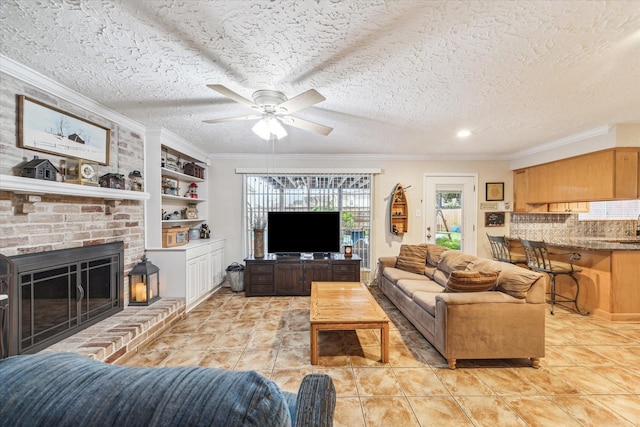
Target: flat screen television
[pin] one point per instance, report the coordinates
(303, 232)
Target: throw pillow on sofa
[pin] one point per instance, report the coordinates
(451, 261)
(471, 281)
(412, 258)
(434, 252)
(516, 282)
(454, 260)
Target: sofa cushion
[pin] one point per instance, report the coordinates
(426, 300)
(471, 281)
(441, 277)
(434, 252)
(429, 271)
(454, 260)
(409, 287)
(395, 274)
(412, 258)
(516, 281)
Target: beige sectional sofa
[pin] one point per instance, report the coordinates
(502, 323)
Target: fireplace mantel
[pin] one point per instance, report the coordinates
(22, 185)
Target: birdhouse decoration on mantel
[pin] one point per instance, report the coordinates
(144, 283)
(39, 169)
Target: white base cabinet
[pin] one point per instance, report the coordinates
(192, 271)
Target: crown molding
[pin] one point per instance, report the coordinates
(357, 157)
(308, 170)
(32, 77)
(596, 139)
(553, 145)
(171, 140)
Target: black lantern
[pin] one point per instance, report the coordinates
(144, 283)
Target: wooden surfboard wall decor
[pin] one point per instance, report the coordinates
(399, 219)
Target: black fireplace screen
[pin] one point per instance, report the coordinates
(62, 292)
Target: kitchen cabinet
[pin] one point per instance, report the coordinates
(576, 207)
(608, 280)
(520, 190)
(608, 288)
(611, 174)
(274, 275)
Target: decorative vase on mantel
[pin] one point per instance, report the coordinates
(258, 242)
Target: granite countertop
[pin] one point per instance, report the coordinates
(595, 243)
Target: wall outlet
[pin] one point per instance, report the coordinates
(418, 213)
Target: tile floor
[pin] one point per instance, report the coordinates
(589, 377)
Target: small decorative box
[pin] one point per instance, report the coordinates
(194, 170)
(175, 236)
(112, 180)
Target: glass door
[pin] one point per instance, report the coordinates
(450, 211)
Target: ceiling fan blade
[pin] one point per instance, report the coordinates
(305, 99)
(306, 125)
(231, 94)
(234, 119)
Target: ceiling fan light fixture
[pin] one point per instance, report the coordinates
(272, 106)
(277, 129)
(268, 126)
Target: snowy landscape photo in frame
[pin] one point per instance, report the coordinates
(50, 130)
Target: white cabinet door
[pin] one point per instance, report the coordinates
(192, 282)
(217, 267)
(204, 275)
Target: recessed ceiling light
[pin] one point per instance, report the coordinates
(464, 133)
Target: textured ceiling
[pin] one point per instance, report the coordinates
(400, 77)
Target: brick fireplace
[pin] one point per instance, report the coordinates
(44, 222)
(31, 223)
(55, 294)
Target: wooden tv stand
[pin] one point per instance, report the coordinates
(292, 275)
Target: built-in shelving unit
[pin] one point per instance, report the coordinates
(192, 271)
(163, 145)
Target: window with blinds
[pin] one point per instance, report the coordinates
(347, 193)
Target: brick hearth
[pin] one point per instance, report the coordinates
(120, 336)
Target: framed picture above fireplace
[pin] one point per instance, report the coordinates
(42, 127)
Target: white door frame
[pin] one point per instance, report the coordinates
(470, 210)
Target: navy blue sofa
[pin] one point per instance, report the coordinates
(66, 389)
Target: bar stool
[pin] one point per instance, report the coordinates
(500, 251)
(4, 301)
(538, 260)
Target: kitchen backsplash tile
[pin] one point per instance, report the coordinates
(546, 226)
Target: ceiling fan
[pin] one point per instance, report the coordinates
(273, 107)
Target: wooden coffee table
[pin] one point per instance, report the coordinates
(345, 306)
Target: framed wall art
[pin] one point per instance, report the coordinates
(45, 128)
(495, 191)
(494, 219)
